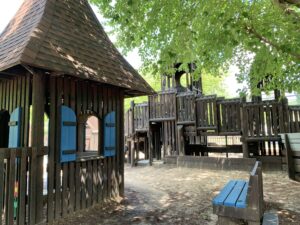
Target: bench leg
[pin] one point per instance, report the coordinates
(227, 221)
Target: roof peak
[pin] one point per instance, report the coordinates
(65, 36)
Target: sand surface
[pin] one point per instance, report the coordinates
(170, 195)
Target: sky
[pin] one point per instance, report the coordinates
(8, 8)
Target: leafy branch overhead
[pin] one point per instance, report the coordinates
(262, 37)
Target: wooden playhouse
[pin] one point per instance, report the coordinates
(181, 121)
(56, 61)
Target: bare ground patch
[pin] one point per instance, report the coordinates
(169, 195)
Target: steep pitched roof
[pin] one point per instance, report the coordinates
(65, 36)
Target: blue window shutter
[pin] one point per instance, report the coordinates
(110, 134)
(68, 135)
(15, 128)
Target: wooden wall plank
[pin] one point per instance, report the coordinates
(52, 149)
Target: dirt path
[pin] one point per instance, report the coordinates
(168, 195)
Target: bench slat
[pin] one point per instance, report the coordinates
(235, 193)
(221, 197)
(242, 201)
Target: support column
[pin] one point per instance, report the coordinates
(150, 145)
(37, 137)
(245, 149)
(180, 141)
(132, 152)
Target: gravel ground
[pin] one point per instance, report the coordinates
(169, 195)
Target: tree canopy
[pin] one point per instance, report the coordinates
(261, 37)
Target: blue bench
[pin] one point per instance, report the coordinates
(241, 200)
(233, 194)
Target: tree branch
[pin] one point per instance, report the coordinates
(269, 42)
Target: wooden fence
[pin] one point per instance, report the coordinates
(141, 117)
(163, 106)
(294, 119)
(17, 183)
(185, 108)
(91, 182)
(229, 116)
(258, 125)
(206, 114)
(128, 126)
(263, 120)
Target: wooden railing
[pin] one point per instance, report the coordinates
(163, 106)
(263, 120)
(206, 113)
(185, 108)
(128, 126)
(229, 111)
(17, 168)
(294, 119)
(141, 117)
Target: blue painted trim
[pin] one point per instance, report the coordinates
(15, 128)
(68, 135)
(109, 144)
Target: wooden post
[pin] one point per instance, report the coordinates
(289, 158)
(132, 153)
(138, 149)
(244, 121)
(122, 156)
(150, 143)
(180, 141)
(37, 137)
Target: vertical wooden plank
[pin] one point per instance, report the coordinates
(27, 109)
(1, 95)
(275, 118)
(58, 193)
(65, 175)
(83, 185)
(7, 95)
(105, 161)
(100, 180)
(23, 188)
(109, 160)
(10, 83)
(269, 122)
(120, 110)
(1, 184)
(85, 95)
(10, 188)
(120, 145)
(38, 103)
(95, 182)
(72, 173)
(118, 137)
(104, 180)
(77, 187)
(51, 153)
(89, 183)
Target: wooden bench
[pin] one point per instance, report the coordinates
(292, 146)
(241, 200)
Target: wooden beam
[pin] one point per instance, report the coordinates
(37, 137)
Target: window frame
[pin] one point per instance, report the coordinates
(81, 137)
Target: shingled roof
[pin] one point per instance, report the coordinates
(64, 36)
